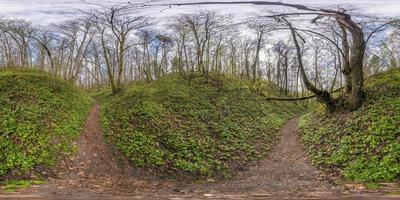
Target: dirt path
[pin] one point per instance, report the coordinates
(96, 173)
(96, 167)
(286, 172)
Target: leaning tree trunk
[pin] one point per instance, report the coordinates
(345, 59)
(322, 95)
(356, 61)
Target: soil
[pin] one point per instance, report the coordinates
(97, 172)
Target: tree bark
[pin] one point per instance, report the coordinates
(357, 50)
(346, 70)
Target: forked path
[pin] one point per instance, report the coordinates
(96, 172)
(285, 173)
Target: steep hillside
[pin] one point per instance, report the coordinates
(197, 130)
(363, 145)
(39, 118)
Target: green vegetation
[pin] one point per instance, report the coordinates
(39, 118)
(363, 145)
(197, 130)
(13, 185)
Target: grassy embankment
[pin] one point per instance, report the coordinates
(363, 145)
(39, 119)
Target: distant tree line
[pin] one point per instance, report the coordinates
(113, 46)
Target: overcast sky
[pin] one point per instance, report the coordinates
(49, 11)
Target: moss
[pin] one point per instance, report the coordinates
(39, 118)
(197, 130)
(363, 145)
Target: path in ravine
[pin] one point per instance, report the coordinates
(95, 172)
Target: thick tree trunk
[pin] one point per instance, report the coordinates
(346, 70)
(356, 61)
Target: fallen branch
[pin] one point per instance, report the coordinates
(289, 99)
(294, 99)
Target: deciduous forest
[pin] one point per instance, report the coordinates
(294, 101)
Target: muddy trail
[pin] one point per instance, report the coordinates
(96, 172)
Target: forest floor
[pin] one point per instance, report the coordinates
(95, 172)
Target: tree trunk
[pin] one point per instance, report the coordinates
(322, 95)
(346, 70)
(356, 61)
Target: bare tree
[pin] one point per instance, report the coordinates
(115, 26)
(261, 28)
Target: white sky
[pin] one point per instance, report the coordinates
(49, 11)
